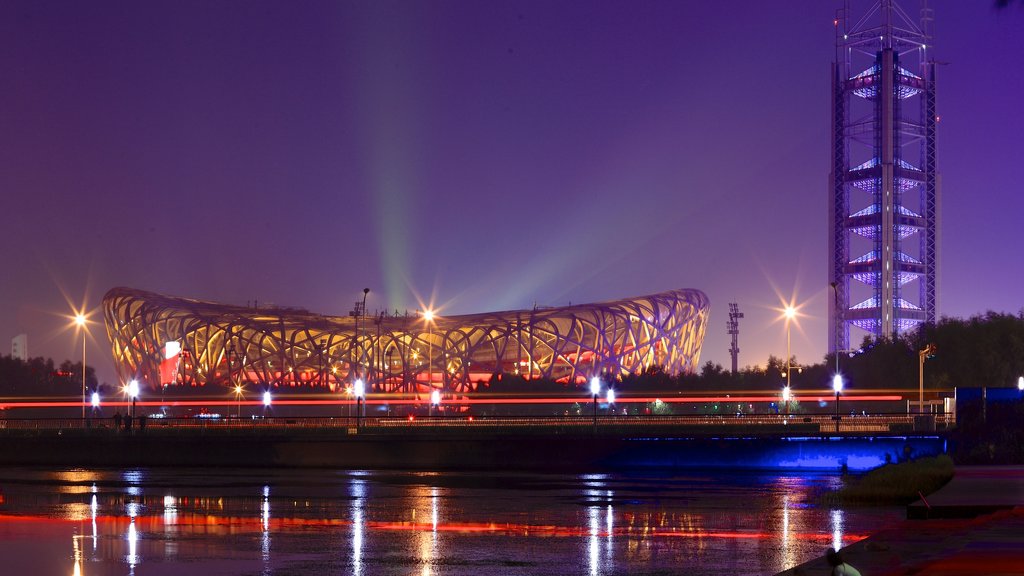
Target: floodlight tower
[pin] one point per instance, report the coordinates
(734, 330)
(884, 187)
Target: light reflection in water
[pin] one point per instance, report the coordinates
(837, 529)
(357, 490)
(650, 527)
(133, 541)
(265, 533)
(93, 507)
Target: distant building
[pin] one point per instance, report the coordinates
(19, 347)
(166, 340)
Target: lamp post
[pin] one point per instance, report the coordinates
(610, 398)
(837, 385)
(595, 390)
(362, 314)
(922, 354)
(95, 401)
(428, 317)
(359, 389)
(835, 291)
(786, 394)
(790, 313)
(435, 400)
(238, 399)
(80, 322)
(267, 399)
(133, 393)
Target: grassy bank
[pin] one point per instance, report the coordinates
(894, 483)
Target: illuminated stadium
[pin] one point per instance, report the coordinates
(163, 340)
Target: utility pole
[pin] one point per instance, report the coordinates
(734, 330)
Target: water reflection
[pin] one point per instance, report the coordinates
(431, 524)
(357, 491)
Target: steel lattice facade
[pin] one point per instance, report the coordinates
(884, 192)
(219, 344)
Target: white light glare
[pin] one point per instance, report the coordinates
(611, 396)
(359, 388)
(837, 383)
(95, 399)
(435, 398)
(266, 398)
(595, 386)
(133, 389)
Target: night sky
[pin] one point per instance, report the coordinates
(480, 155)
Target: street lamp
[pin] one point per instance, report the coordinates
(435, 399)
(267, 399)
(837, 385)
(428, 318)
(786, 395)
(359, 389)
(133, 393)
(923, 354)
(80, 322)
(95, 400)
(595, 390)
(1020, 383)
(610, 398)
(238, 398)
(789, 313)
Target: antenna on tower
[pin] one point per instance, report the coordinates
(734, 330)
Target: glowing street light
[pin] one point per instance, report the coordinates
(786, 395)
(435, 399)
(267, 400)
(428, 318)
(837, 385)
(610, 396)
(95, 400)
(80, 322)
(359, 389)
(1020, 383)
(238, 398)
(595, 391)
(133, 393)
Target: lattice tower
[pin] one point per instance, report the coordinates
(884, 187)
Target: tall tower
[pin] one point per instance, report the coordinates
(734, 330)
(883, 185)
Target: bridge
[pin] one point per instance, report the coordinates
(550, 443)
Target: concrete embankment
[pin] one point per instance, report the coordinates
(973, 525)
(465, 449)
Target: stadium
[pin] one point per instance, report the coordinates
(171, 341)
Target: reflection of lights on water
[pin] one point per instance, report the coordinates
(94, 506)
(592, 513)
(170, 510)
(265, 523)
(357, 489)
(133, 541)
(837, 529)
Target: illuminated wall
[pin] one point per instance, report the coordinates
(218, 344)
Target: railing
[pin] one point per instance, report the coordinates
(766, 423)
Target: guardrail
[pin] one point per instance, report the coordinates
(855, 424)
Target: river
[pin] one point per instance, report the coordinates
(162, 521)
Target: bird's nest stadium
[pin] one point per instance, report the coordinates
(163, 340)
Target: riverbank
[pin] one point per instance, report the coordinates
(976, 527)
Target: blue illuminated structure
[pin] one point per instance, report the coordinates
(884, 185)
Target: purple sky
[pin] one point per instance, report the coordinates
(493, 154)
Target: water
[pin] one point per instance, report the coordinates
(260, 522)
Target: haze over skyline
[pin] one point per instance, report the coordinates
(481, 156)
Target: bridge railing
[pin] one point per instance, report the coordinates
(773, 423)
